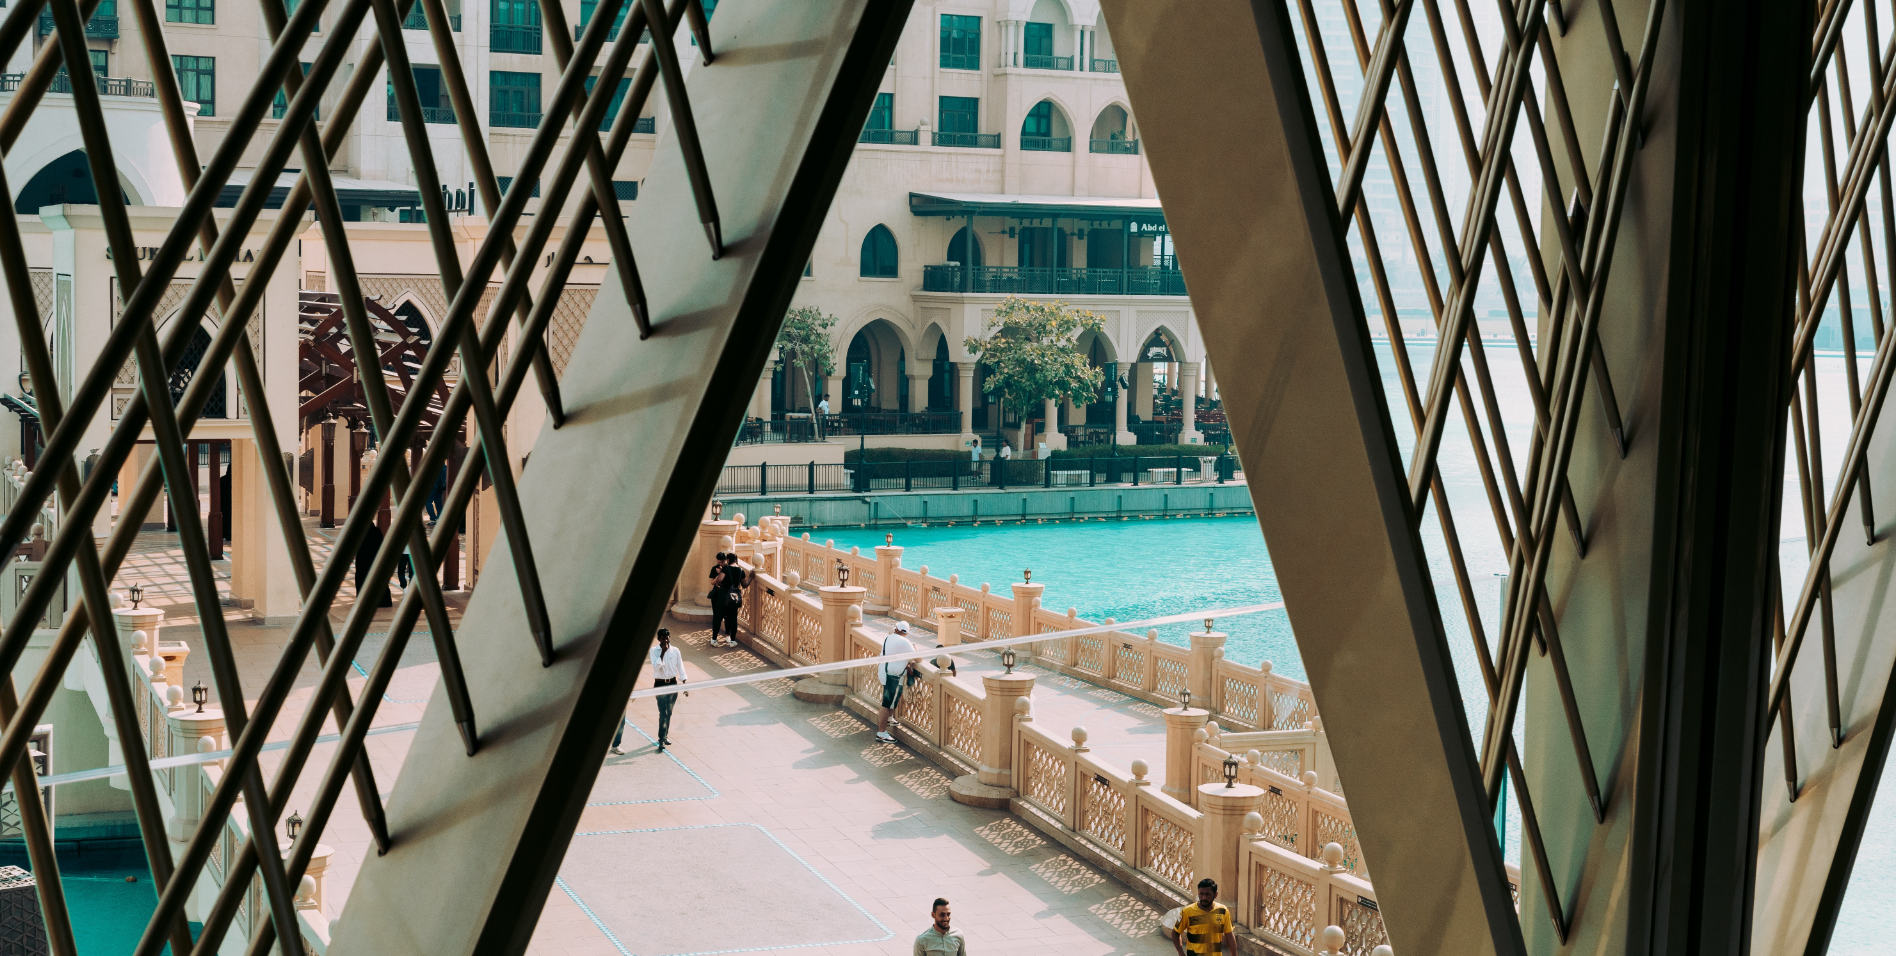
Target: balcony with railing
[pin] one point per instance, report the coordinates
(1024, 280)
(969, 140)
(62, 83)
(1105, 66)
(509, 38)
(1047, 144)
(646, 124)
(429, 114)
(418, 20)
(501, 119)
(99, 27)
(1118, 147)
(960, 61)
(890, 137)
(1040, 61)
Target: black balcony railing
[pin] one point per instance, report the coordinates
(97, 28)
(429, 114)
(1140, 280)
(1124, 147)
(507, 38)
(792, 429)
(62, 83)
(890, 137)
(969, 140)
(960, 61)
(499, 118)
(417, 20)
(1047, 144)
(1113, 468)
(646, 124)
(1040, 61)
(1105, 66)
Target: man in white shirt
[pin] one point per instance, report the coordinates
(893, 676)
(668, 669)
(822, 414)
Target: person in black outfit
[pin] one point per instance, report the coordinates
(364, 559)
(727, 583)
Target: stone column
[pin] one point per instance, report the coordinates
(1123, 436)
(842, 609)
(918, 389)
(964, 396)
(191, 732)
(128, 620)
(888, 558)
(760, 401)
(1026, 600)
(694, 583)
(834, 387)
(1053, 437)
(1180, 726)
(948, 624)
(1188, 402)
(992, 783)
(1220, 833)
(1201, 666)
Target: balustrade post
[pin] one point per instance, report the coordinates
(186, 729)
(694, 582)
(1149, 681)
(842, 609)
(1201, 667)
(1221, 835)
(995, 769)
(1181, 726)
(948, 624)
(130, 620)
(888, 558)
(1325, 763)
(1026, 601)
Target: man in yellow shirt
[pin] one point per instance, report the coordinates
(1205, 926)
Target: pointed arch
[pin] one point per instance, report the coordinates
(879, 254)
(965, 248)
(1046, 129)
(67, 179)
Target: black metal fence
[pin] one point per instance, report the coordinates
(907, 475)
(793, 429)
(1042, 280)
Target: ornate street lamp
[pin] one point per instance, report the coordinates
(842, 574)
(889, 538)
(1007, 659)
(200, 694)
(1184, 698)
(137, 594)
(293, 826)
(717, 508)
(26, 384)
(1027, 576)
(1207, 625)
(1231, 771)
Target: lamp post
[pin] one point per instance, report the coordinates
(137, 594)
(1027, 576)
(1184, 698)
(842, 574)
(1007, 659)
(717, 508)
(293, 826)
(1230, 771)
(200, 694)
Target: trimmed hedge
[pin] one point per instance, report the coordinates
(1143, 451)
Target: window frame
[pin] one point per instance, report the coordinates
(514, 89)
(202, 70)
(192, 12)
(960, 41)
(872, 265)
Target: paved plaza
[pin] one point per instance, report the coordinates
(772, 825)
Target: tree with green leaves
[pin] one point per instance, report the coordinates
(804, 345)
(1032, 354)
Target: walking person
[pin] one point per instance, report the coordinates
(895, 675)
(668, 670)
(938, 939)
(1205, 926)
(822, 416)
(727, 596)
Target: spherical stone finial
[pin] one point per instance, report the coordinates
(1265, 668)
(1200, 735)
(1253, 822)
(138, 640)
(1109, 621)
(1072, 612)
(207, 744)
(954, 579)
(119, 600)
(1139, 768)
(855, 612)
(1217, 653)
(924, 570)
(174, 696)
(1152, 634)
(1310, 778)
(739, 517)
(806, 536)
(727, 543)
(854, 550)
(1036, 603)
(1382, 950)
(1079, 736)
(792, 579)
(306, 889)
(1254, 758)
(984, 587)
(1212, 729)
(1333, 855)
(156, 666)
(1332, 938)
(1023, 706)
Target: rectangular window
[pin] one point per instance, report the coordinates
(515, 27)
(1039, 39)
(513, 99)
(960, 42)
(190, 11)
(960, 114)
(882, 115)
(506, 181)
(586, 8)
(282, 103)
(618, 99)
(433, 93)
(98, 58)
(197, 81)
(625, 190)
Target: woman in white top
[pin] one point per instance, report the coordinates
(668, 668)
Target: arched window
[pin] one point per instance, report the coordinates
(1112, 133)
(878, 254)
(64, 180)
(959, 251)
(1045, 130)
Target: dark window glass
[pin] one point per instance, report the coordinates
(960, 42)
(282, 104)
(1039, 39)
(960, 114)
(882, 115)
(505, 181)
(513, 99)
(1039, 120)
(625, 190)
(433, 94)
(878, 254)
(514, 27)
(99, 59)
(188, 11)
(197, 81)
(618, 99)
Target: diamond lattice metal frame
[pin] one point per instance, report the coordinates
(396, 427)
